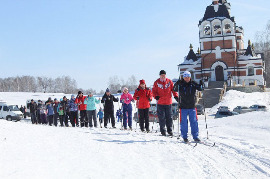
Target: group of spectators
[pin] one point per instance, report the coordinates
(66, 111)
(163, 90)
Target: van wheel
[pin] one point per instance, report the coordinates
(9, 118)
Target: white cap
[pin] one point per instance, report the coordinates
(187, 74)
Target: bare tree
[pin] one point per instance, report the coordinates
(262, 45)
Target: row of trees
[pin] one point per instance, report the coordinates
(64, 84)
(116, 84)
(262, 45)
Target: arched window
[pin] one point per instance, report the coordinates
(207, 29)
(227, 28)
(250, 71)
(217, 29)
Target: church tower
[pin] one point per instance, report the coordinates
(220, 39)
(222, 54)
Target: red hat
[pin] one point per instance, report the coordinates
(142, 82)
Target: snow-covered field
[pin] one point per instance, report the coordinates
(35, 151)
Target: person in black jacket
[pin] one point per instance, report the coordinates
(108, 100)
(187, 101)
(33, 111)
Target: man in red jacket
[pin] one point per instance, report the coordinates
(162, 91)
(143, 96)
(82, 108)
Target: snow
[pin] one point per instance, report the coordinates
(191, 62)
(35, 151)
(249, 57)
(235, 98)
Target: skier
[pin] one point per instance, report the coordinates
(38, 112)
(56, 114)
(143, 96)
(91, 102)
(33, 111)
(73, 109)
(162, 91)
(24, 112)
(50, 112)
(119, 115)
(65, 110)
(43, 117)
(108, 100)
(126, 99)
(100, 116)
(187, 92)
(82, 107)
(61, 112)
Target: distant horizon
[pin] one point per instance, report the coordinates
(91, 41)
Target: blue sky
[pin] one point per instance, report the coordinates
(91, 40)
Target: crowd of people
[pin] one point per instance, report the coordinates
(81, 111)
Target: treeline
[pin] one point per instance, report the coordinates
(64, 84)
(262, 45)
(116, 84)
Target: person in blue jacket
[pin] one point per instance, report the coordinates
(100, 115)
(91, 102)
(73, 109)
(50, 112)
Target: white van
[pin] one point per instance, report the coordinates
(10, 112)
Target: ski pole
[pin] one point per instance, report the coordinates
(178, 106)
(206, 126)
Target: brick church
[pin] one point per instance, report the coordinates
(221, 55)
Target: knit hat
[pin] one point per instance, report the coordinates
(72, 95)
(80, 92)
(142, 82)
(107, 90)
(162, 72)
(187, 74)
(55, 99)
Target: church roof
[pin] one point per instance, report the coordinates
(217, 10)
(191, 55)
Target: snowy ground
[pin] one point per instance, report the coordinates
(35, 151)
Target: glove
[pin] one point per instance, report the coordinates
(138, 89)
(138, 97)
(157, 98)
(176, 98)
(122, 101)
(149, 99)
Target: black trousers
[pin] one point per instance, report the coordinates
(50, 119)
(55, 118)
(33, 118)
(38, 117)
(84, 118)
(73, 118)
(144, 119)
(109, 115)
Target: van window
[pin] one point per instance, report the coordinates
(5, 108)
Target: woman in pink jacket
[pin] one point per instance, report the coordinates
(126, 99)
